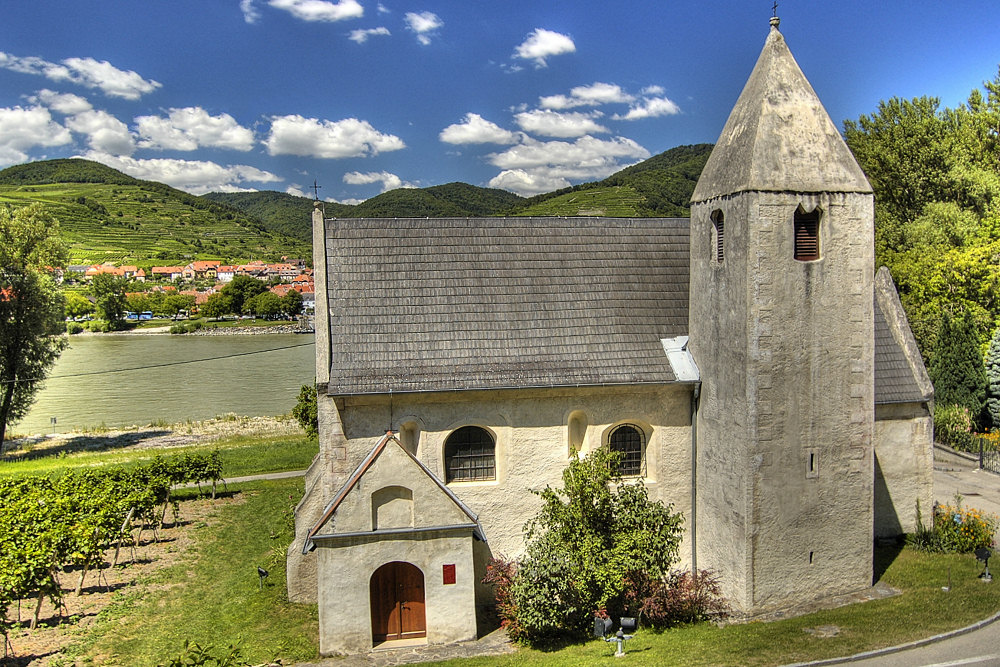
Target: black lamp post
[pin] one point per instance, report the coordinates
(983, 554)
(602, 628)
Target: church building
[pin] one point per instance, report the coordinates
(750, 363)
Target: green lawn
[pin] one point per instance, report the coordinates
(214, 597)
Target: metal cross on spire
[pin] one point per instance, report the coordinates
(315, 187)
(774, 9)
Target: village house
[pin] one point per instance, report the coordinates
(749, 363)
(127, 271)
(170, 273)
(225, 273)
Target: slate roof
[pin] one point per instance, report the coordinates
(445, 304)
(900, 376)
(457, 303)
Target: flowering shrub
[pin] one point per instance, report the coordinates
(953, 427)
(963, 530)
(679, 597)
(955, 530)
(500, 572)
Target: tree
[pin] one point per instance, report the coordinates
(587, 538)
(266, 305)
(242, 288)
(78, 305)
(957, 369)
(291, 303)
(31, 307)
(175, 303)
(993, 380)
(109, 297)
(217, 305)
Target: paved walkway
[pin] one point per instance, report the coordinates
(495, 643)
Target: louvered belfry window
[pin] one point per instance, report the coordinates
(629, 441)
(470, 455)
(719, 224)
(806, 235)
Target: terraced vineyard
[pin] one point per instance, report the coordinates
(146, 223)
(608, 202)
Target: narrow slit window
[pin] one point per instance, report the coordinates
(719, 234)
(807, 235)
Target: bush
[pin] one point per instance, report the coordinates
(582, 544)
(680, 597)
(305, 410)
(73, 328)
(955, 530)
(99, 326)
(953, 427)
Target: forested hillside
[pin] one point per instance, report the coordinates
(107, 216)
(936, 176)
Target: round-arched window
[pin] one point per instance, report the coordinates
(470, 455)
(628, 440)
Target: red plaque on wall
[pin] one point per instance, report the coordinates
(449, 574)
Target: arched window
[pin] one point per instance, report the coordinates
(719, 234)
(629, 441)
(470, 455)
(806, 234)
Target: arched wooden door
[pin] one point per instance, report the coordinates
(397, 602)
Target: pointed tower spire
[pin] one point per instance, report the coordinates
(779, 137)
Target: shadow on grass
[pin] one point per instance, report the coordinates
(15, 660)
(885, 555)
(86, 443)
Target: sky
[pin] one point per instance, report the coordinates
(364, 96)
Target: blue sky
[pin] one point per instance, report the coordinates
(364, 96)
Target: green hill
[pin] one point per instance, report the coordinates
(659, 186)
(107, 216)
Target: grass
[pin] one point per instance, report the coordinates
(923, 610)
(613, 201)
(241, 455)
(213, 598)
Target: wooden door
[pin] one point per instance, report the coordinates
(397, 602)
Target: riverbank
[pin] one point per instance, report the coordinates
(153, 435)
(211, 329)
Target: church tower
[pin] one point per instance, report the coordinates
(782, 329)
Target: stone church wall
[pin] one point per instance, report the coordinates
(904, 465)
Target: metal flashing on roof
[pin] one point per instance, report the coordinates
(681, 361)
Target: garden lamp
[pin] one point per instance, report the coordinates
(983, 554)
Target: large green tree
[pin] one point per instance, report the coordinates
(936, 176)
(109, 297)
(31, 307)
(993, 380)
(241, 289)
(957, 368)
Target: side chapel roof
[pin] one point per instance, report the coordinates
(900, 375)
(779, 137)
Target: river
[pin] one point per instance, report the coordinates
(127, 379)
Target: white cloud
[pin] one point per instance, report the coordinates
(295, 189)
(189, 128)
(593, 95)
(105, 133)
(650, 108)
(98, 74)
(542, 166)
(526, 184)
(382, 9)
(652, 91)
(474, 129)
(295, 135)
(388, 181)
(320, 10)
(64, 103)
(555, 124)
(250, 13)
(194, 176)
(423, 25)
(361, 36)
(22, 129)
(542, 44)
(350, 201)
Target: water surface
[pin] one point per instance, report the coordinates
(88, 385)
